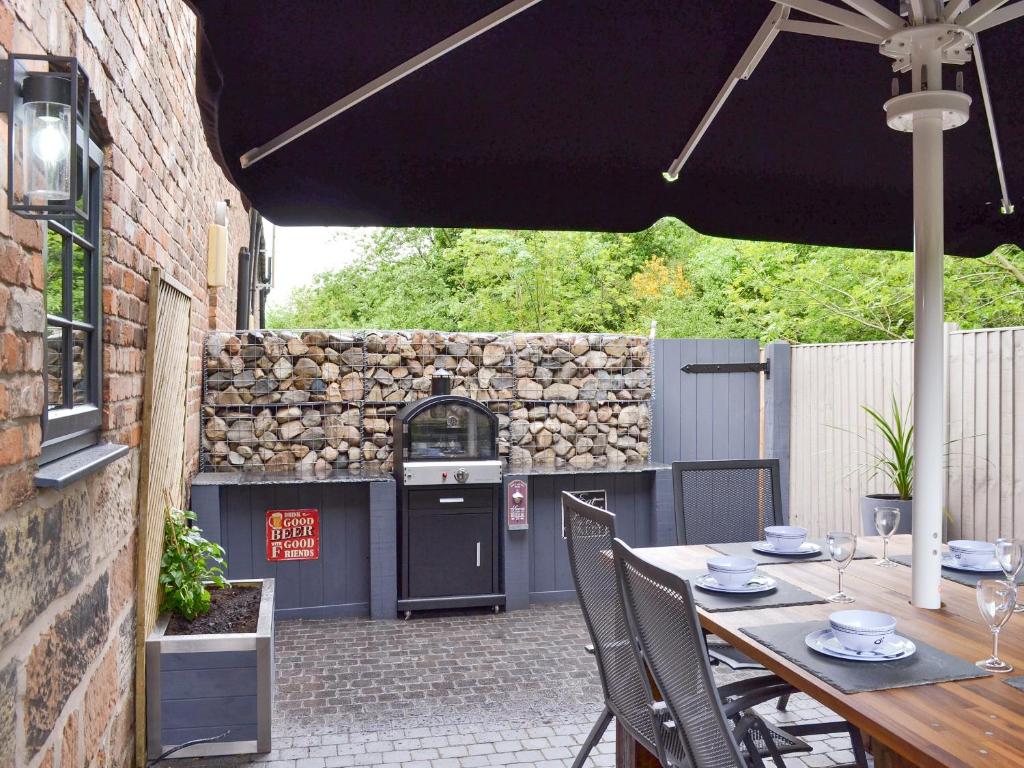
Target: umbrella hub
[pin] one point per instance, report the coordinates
(909, 45)
(922, 49)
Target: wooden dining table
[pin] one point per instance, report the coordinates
(978, 722)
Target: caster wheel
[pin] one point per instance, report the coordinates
(408, 615)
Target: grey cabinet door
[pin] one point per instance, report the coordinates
(451, 552)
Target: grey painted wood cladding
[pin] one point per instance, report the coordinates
(704, 416)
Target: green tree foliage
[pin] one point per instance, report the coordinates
(690, 284)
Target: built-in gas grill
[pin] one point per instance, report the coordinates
(449, 502)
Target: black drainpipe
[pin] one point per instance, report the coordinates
(242, 307)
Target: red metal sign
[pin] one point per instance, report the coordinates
(517, 513)
(293, 534)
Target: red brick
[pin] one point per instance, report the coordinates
(12, 445)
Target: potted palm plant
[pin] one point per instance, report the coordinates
(894, 462)
(210, 657)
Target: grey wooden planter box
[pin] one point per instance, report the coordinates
(199, 686)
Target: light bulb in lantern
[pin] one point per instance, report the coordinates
(49, 142)
(46, 137)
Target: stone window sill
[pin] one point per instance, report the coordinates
(88, 461)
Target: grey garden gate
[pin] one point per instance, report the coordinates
(703, 411)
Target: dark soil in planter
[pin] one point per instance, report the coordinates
(231, 610)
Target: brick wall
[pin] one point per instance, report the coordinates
(67, 558)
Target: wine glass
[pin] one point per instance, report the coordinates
(887, 520)
(1010, 554)
(996, 601)
(842, 546)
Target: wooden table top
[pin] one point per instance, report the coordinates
(968, 723)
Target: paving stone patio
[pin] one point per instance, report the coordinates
(460, 690)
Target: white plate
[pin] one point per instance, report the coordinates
(756, 586)
(948, 561)
(823, 641)
(805, 549)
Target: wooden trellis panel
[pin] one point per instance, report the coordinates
(161, 479)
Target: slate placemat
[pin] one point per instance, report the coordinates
(1016, 682)
(960, 577)
(742, 549)
(784, 594)
(927, 665)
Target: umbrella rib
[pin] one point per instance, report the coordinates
(834, 31)
(751, 57)
(998, 17)
(977, 12)
(955, 8)
(390, 77)
(877, 13)
(840, 16)
(990, 117)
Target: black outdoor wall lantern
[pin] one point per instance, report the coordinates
(47, 131)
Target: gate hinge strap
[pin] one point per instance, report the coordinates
(727, 368)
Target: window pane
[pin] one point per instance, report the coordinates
(80, 366)
(54, 367)
(79, 277)
(54, 274)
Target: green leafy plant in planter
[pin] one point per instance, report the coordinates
(189, 565)
(896, 464)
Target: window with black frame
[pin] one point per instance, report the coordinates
(73, 363)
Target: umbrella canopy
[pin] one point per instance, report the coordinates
(565, 117)
(561, 115)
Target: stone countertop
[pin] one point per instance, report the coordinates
(380, 475)
(512, 470)
(281, 478)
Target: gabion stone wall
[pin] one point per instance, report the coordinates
(317, 400)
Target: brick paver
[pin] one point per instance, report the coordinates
(458, 690)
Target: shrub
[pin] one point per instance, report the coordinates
(189, 564)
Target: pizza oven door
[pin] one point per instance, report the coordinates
(450, 539)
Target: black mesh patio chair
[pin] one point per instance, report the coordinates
(713, 729)
(589, 532)
(726, 501)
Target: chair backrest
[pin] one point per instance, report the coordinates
(660, 606)
(589, 533)
(725, 501)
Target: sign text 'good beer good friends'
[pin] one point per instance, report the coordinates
(293, 534)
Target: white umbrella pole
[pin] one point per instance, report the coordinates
(927, 111)
(929, 377)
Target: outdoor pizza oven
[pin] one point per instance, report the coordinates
(449, 502)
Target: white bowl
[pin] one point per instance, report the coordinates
(972, 553)
(732, 571)
(785, 538)
(861, 630)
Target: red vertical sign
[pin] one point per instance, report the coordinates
(293, 534)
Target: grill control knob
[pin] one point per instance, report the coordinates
(461, 475)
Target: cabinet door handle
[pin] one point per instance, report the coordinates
(451, 500)
(478, 554)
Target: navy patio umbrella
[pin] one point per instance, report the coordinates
(610, 114)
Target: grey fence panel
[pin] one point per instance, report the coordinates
(703, 416)
(338, 582)
(629, 495)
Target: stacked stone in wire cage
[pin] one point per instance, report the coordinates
(584, 401)
(281, 400)
(323, 400)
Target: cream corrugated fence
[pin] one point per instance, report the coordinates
(831, 437)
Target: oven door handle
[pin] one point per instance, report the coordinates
(451, 500)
